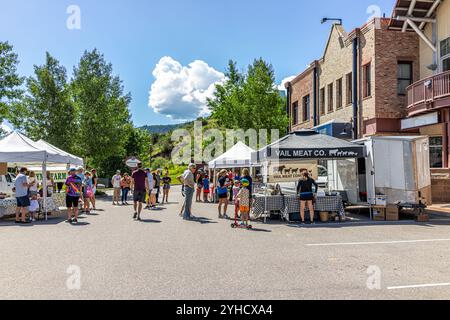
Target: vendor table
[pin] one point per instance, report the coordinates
(8, 206)
(274, 203)
(288, 205)
(323, 204)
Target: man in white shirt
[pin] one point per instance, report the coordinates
(23, 201)
(151, 187)
(116, 180)
(189, 188)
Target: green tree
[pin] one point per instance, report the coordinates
(49, 112)
(249, 101)
(104, 118)
(264, 107)
(10, 81)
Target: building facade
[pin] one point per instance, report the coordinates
(428, 105)
(361, 80)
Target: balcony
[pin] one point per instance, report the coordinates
(430, 94)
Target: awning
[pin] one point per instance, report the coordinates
(307, 145)
(239, 156)
(413, 15)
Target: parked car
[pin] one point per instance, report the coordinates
(7, 183)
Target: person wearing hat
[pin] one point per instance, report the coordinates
(243, 198)
(116, 179)
(73, 194)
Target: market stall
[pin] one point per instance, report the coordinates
(284, 160)
(19, 150)
(238, 157)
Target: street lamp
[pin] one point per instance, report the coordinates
(339, 21)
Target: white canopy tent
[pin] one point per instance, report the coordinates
(18, 149)
(240, 156)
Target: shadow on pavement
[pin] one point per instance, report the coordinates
(202, 220)
(149, 221)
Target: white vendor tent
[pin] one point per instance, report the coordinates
(18, 149)
(240, 156)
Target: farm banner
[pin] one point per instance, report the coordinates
(291, 171)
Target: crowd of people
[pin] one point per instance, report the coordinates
(145, 186)
(80, 188)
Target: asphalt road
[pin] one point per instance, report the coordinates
(110, 256)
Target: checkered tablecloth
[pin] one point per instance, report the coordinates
(274, 203)
(291, 204)
(8, 207)
(323, 204)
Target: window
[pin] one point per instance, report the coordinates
(306, 108)
(339, 94)
(446, 65)
(445, 54)
(322, 101)
(367, 73)
(436, 148)
(295, 113)
(349, 90)
(404, 77)
(330, 97)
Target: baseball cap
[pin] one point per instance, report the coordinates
(72, 169)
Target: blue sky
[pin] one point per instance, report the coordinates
(134, 35)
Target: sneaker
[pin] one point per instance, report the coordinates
(226, 217)
(75, 221)
(135, 215)
(139, 219)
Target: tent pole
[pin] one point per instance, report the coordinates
(44, 185)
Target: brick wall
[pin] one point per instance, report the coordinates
(392, 47)
(383, 49)
(301, 87)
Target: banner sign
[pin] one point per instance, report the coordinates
(291, 171)
(335, 153)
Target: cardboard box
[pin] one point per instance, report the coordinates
(423, 218)
(3, 168)
(379, 214)
(392, 213)
(381, 200)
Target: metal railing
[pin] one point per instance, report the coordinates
(429, 90)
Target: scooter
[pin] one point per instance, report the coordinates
(237, 225)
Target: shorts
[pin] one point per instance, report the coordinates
(205, 190)
(307, 196)
(23, 202)
(72, 202)
(223, 196)
(151, 191)
(139, 196)
(166, 187)
(244, 209)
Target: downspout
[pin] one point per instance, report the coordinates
(316, 118)
(288, 105)
(355, 86)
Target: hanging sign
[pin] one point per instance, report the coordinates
(291, 171)
(132, 162)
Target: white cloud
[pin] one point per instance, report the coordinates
(181, 92)
(281, 87)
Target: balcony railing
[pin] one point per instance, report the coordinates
(424, 95)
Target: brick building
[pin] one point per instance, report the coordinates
(428, 105)
(361, 80)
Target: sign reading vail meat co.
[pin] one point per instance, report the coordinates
(291, 171)
(342, 153)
